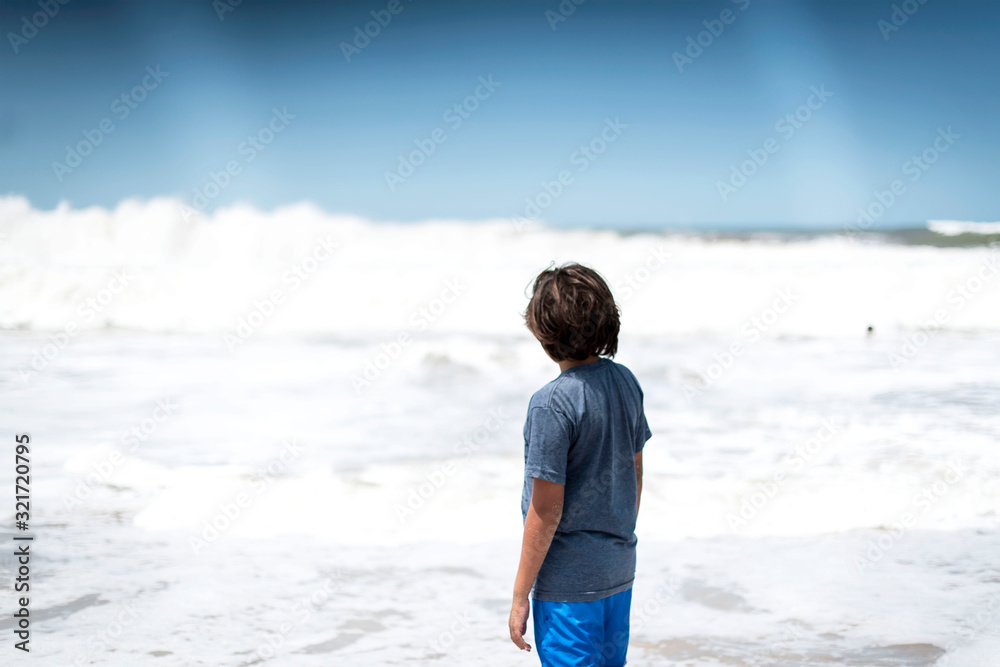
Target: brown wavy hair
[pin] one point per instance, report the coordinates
(573, 314)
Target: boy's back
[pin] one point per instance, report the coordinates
(583, 430)
(582, 478)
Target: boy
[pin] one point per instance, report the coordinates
(583, 441)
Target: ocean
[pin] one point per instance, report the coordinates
(294, 438)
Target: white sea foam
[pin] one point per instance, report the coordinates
(823, 571)
(405, 494)
(956, 227)
(221, 273)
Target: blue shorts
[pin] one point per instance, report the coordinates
(582, 634)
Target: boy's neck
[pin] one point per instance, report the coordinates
(570, 363)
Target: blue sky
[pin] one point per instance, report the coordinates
(888, 95)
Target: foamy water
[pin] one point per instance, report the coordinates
(341, 485)
(299, 270)
(956, 227)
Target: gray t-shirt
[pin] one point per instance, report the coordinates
(583, 430)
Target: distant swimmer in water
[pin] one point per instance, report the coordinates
(871, 330)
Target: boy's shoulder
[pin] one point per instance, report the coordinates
(567, 389)
(553, 394)
(625, 370)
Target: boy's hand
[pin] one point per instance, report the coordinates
(519, 622)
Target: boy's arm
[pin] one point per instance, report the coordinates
(540, 525)
(638, 479)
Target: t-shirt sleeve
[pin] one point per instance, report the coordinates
(548, 434)
(642, 431)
